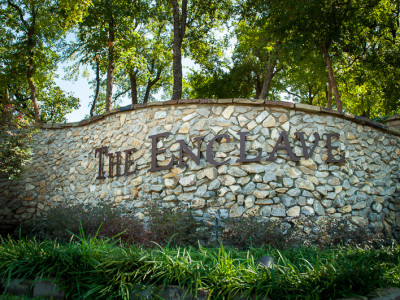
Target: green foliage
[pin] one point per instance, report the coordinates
(87, 267)
(15, 139)
(61, 223)
(31, 31)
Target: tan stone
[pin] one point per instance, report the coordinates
(136, 143)
(269, 122)
(211, 173)
(330, 210)
(350, 136)
(283, 119)
(294, 211)
(359, 221)
(198, 203)
(227, 180)
(261, 194)
(251, 212)
(308, 163)
(227, 113)
(185, 128)
(169, 183)
(137, 181)
(135, 193)
(122, 119)
(345, 209)
(313, 179)
(294, 173)
(252, 125)
(307, 107)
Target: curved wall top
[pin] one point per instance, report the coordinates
(269, 159)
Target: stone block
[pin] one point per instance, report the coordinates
(47, 288)
(17, 287)
(307, 107)
(224, 101)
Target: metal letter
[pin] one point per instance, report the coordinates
(112, 163)
(243, 157)
(282, 138)
(209, 154)
(330, 148)
(155, 151)
(102, 151)
(308, 154)
(186, 149)
(129, 162)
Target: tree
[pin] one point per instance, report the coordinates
(144, 64)
(327, 26)
(193, 20)
(15, 138)
(107, 39)
(32, 29)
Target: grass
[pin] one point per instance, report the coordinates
(100, 268)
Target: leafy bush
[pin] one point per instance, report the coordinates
(328, 231)
(177, 226)
(90, 268)
(61, 223)
(15, 139)
(243, 233)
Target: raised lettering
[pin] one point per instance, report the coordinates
(102, 151)
(186, 149)
(129, 162)
(282, 138)
(242, 157)
(330, 148)
(155, 151)
(308, 154)
(209, 153)
(112, 163)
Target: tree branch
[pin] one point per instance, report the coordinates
(20, 13)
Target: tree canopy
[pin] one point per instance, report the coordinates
(340, 54)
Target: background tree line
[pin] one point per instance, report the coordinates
(340, 54)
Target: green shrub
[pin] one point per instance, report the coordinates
(60, 223)
(243, 233)
(87, 267)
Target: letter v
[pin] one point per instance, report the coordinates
(308, 154)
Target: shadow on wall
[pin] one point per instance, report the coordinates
(13, 208)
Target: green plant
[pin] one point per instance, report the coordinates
(88, 267)
(176, 226)
(15, 139)
(243, 233)
(61, 223)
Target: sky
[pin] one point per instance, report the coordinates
(81, 89)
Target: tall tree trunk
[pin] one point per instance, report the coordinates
(267, 81)
(132, 79)
(329, 92)
(179, 34)
(270, 71)
(310, 97)
(150, 84)
(111, 63)
(32, 89)
(258, 87)
(96, 96)
(30, 70)
(332, 79)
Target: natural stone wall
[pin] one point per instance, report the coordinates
(283, 184)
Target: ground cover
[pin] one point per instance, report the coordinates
(95, 268)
